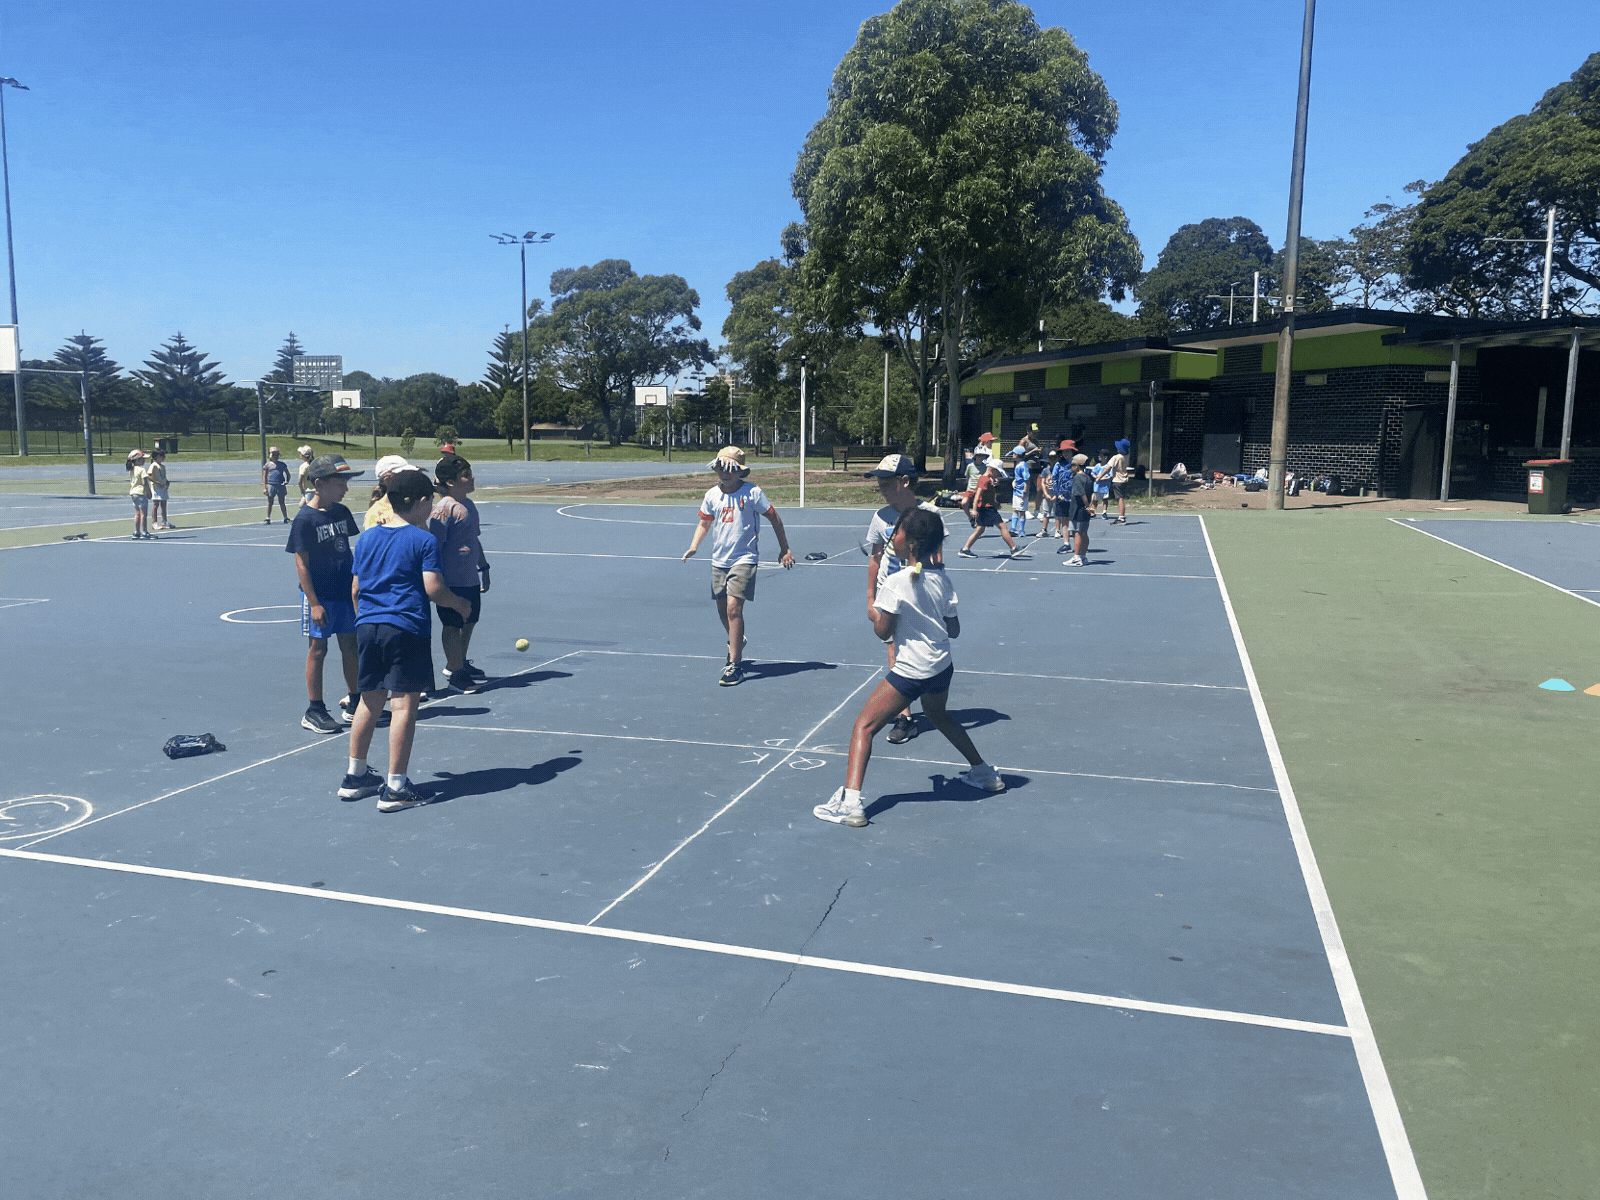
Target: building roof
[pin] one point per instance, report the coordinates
(1306, 325)
(1139, 347)
(1486, 334)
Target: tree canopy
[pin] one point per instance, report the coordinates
(951, 191)
(610, 328)
(1502, 188)
(1199, 263)
(181, 379)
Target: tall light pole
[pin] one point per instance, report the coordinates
(522, 243)
(11, 262)
(1278, 454)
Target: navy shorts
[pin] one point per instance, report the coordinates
(341, 616)
(389, 658)
(1063, 510)
(988, 517)
(912, 688)
(450, 617)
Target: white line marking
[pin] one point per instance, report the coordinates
(849, 565)
(232, 615)
(1380, 1094)
(9, 602)
(656, 939)
(648, 875)
(1564, 591)
(190, 787)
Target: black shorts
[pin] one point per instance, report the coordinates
(1063, 510)
(988, 517)
(1118, 491)
(392, 659)
(450, 617)
(934, 685)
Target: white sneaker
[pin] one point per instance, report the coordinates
(1074, 561)
(983, 777)
(841, 812)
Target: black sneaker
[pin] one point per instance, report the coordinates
(358, 787)
(393, 800)
(317, 720)
(732, 674)
(460, 681)
(905, 728)
(475, 672)
(347, 708)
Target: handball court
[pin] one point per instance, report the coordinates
(616, 956)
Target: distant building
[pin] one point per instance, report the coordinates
(324, 371)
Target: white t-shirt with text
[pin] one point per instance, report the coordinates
(881, 529)
(735, 523)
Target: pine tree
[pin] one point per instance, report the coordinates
(283, 365)
(182, 381)
(108, 390)
(503, 375)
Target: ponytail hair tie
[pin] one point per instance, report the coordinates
(916, 570)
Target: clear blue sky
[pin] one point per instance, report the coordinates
(235, 171)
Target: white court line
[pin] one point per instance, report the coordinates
(851, 566)
(1220, 687)
(1404, 524)
(1380, 1093)
(682, 524)
(787, 755)
(19, 602)
(656, 939)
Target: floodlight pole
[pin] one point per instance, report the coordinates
(1279, 452)
(1549, 253)
(88, 437)
(11, 263)
(802, 431)
(885, 397)
(522, 243)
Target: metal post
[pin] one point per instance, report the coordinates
(1549, 253)
(1538, 425)
(261, 420)
(88, 437)
(1450, 420)
(1150, 466)
(802, 431)
(1279, 453)
(1255, 299)
(1572, 391)
(936, 409)
(11, 263)
(527, 444)
(885, 397)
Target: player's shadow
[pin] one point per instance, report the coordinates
(508, 682)
(493, 779)
(967, 718)
(946, 790)
(442, 709)
(775, 670)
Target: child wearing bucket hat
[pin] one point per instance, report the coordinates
(731, 513)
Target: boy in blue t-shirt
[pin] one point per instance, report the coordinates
(397, 571)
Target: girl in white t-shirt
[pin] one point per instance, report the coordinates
(916, 607)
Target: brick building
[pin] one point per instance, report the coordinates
(1368, 398)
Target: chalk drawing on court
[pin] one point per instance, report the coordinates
(1557, 685)
(234, 617)
(807, 764)
(19, 601)
(35, 816)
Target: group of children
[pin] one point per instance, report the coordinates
(369, 589)
(148, 488)
(910, 603)
(1064, 486)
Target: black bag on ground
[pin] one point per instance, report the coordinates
(187, 745)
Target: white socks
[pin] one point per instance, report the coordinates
(852, 796)
(358, 766)
(396, 782)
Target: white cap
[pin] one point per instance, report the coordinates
(391, 462)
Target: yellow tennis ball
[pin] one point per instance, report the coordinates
(522, 643)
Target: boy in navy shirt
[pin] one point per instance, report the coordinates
(319, 539)
(397, 571)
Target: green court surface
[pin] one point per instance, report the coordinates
(1451, 804)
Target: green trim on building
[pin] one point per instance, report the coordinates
(1056, 376)
(1120, 370)
(1195, 366)
(989, 384)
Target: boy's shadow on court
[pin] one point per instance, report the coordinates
(775, 670)
(508, 682)
(946, 789)
(494, 779)
(967, 718)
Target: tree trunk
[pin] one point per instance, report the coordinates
(952, 373)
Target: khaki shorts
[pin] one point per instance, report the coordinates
(738, 580)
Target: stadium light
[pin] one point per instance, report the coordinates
(522, 243)
(11, 261)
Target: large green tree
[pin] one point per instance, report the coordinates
(610, 328)
(952, 191)
(1502, 188)
(1199, 263)
(183, 383)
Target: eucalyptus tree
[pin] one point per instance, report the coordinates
(951, 191)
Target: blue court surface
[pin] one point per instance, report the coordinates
(1563, 554)
(616, 956)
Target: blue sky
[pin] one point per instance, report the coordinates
(235, 171)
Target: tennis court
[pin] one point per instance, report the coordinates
(617, 956)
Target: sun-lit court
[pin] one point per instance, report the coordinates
(616, 955)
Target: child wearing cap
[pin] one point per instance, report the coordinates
(916, 607)
(986, 511)
(1100, 472)
(896, 476)
(1079, 507)
(275, 483)
(378, 510)
(454, 524)
(139, 493)
(1021, 479)
(731, 513)
(1119, 480)
(303, 480)
(397, 571)
(319, 539)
